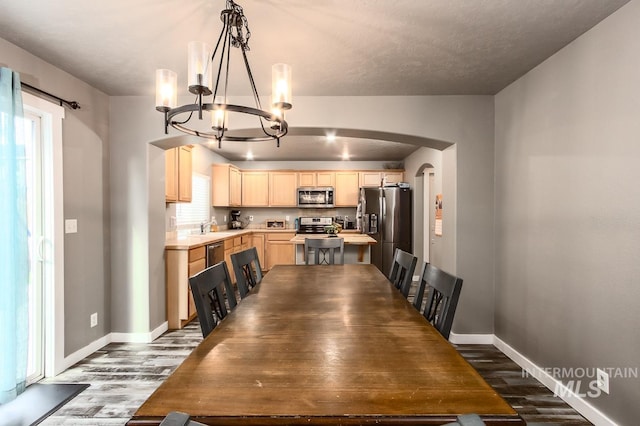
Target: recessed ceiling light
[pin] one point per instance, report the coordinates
(331, 137)
(249, 155)
(345, 155)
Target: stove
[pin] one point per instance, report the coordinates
(313, 225)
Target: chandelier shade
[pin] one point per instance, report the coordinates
(203, 61)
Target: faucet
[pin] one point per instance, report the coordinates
(203, 226)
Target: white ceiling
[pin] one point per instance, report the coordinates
(335, 47)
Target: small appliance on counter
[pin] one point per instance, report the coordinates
(235, 223)
(345, 222)
(313, 225)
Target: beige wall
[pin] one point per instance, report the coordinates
(568, 210)
(86, 195)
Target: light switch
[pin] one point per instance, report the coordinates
(70, 226)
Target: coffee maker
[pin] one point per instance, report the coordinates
(235, 220)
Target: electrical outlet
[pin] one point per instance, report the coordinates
(173, 223)
(286, 218)
(94, 319)
(71, 226)
(603, 380)
(250, 218)
(224, 219)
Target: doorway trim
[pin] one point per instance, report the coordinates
(51, 116)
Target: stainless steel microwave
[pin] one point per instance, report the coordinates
(315, 198)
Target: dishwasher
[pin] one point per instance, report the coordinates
(215, 253)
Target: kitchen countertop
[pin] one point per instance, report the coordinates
(196, 240)
(349, 238)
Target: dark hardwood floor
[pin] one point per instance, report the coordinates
(123, 375)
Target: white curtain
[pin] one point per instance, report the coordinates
(14, 253)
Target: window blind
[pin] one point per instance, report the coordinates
(198, 210)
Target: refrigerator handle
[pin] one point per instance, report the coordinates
(383, 212)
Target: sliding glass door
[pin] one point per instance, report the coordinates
(37, 244)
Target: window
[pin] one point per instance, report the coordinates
(197, 211)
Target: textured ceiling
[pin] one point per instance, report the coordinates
(335, 47)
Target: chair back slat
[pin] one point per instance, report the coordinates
(247, 269)
(324, 247)
(442, 297)
(209, 289)
(401, 273)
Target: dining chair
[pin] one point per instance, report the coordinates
(467, 420)
(176, 418)
(247, 269)
(402, 268)
(209, 288)
(324, 247)
(442, 298)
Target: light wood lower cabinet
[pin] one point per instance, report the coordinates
(279, 250)
(180, 265)
(257, 241)
(234, 245)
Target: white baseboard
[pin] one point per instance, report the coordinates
(82, 353)
(140, 337)
(471, 339)
(579, 403)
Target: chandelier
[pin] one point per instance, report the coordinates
(201, 61)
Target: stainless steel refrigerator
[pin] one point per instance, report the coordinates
(385, 215)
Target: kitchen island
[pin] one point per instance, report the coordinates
(357, 247)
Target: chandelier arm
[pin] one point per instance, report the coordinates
(225, 49)
(188, 118)
(226, 85)
(282, 131)
(215, 51)
(256, 96)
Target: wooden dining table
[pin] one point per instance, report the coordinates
(325, 344)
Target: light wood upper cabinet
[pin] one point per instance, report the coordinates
(316, 178)
(226, 185)
(393, 177)
(307, 179)
(374, 178)
(255, 188)
(346, 189)
(282, 189)
(371, 179)
(178, 169)
(326, 178)
(171, 175)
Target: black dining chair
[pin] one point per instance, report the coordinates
(401, 274)
(323, 247)
(176, 418)
(442, 298)
(209, 289)
(247, 269)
